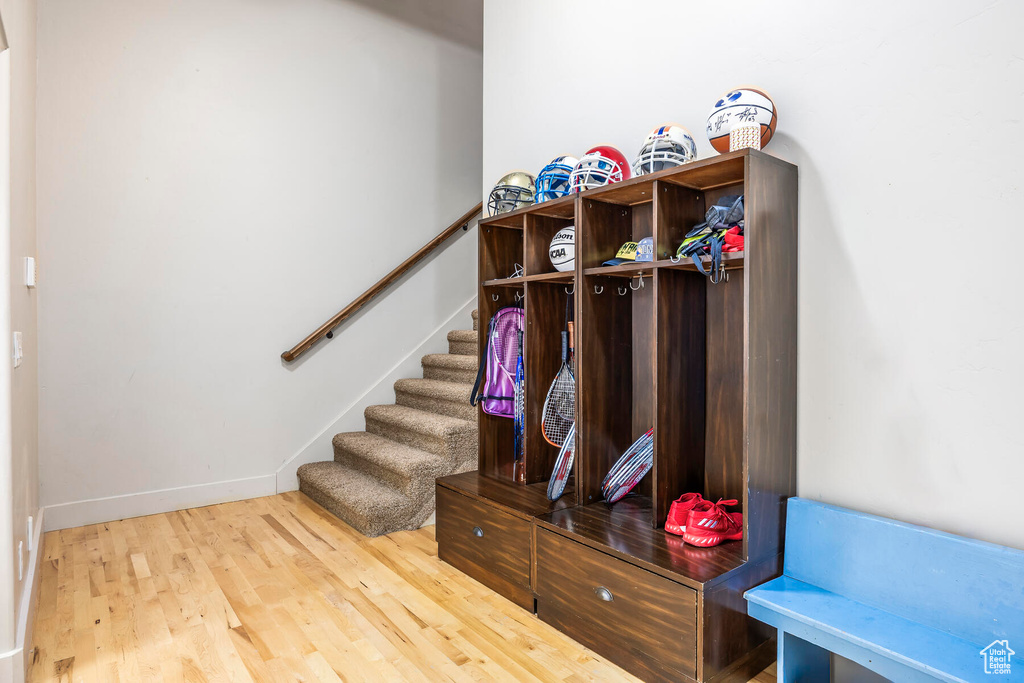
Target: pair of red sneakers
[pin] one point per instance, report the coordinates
(703, 523)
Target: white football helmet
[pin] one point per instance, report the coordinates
(665, 147)
(513, 191)
(600, 166)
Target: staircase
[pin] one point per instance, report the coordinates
(382, 480)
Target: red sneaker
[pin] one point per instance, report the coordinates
(708, 524)
(680, 509)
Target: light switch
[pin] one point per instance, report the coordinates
(30, 271)
(17, 349)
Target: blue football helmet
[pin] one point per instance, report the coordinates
(553, 180)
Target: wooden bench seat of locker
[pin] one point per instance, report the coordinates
(483, 529)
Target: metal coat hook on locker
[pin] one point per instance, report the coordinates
(639, 277)
(623, 291)
(494, 297)
(570, 291)
(597, 289)
(519, 297)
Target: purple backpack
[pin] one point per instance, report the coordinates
(501, 351)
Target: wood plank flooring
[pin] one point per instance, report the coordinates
(277, 589)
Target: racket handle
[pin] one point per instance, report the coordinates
(565, 346)
(519, 335)
(572, 336)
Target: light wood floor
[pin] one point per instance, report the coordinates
(277, 589)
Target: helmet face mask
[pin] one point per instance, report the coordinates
(553, 179)
(665, 147)
(598, 167)
(513, 191)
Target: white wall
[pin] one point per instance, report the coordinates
(905, 121)
(19, 468)
(215, 180)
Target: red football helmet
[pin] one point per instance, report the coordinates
(601, 165)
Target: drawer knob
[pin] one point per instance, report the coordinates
(478, 532)
(604, 594)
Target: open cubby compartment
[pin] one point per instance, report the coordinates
(501, 250)
(496, 443)
(541, 224)
(604, 226)
(682, 200)
(545, 320)
(699, 426)
(615, 378)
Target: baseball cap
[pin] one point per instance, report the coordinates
(630, 252)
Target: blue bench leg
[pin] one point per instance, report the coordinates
(801, 662)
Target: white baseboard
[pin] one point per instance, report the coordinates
(14, 664)
(381, 392)
(98, 510)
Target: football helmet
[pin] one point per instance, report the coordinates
(601, 165)
(665, 147)
(513, 191)
(553, 179)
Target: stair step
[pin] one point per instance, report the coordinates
(436, 396)
(462, 342)
(368, 505)
(449, 367)
(410, 470)
(453, 439)
(476, 319)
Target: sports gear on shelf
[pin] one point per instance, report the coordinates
(679, 511)
(743, 105)
(721, 232)
(562, 251)
(519, 471)
(559, 411)
(563, 466)
(513, 191)
(665, 147)
(708, 524)
(627, 253)
(553, 180)
(495, 378)
(645, 249)
(628, 470)
(600, 166)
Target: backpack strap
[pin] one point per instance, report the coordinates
(475, 398)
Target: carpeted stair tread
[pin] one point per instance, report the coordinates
(449, 437)
(462, 342)
(450, 367)
(369, 505)
(418, 420)
(437, 396)
(396, 463)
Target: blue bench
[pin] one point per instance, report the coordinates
(907, 602)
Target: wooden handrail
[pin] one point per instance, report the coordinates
(326, 330)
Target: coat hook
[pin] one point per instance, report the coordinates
(519, 297)
(570, 291)
(597, 289)
(675, 259)
(639, 277)
(623, 291)
(494, 297)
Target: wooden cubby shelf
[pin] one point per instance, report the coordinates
(710, 366)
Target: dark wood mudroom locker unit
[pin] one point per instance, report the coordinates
(711, 367)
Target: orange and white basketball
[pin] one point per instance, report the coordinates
(742, 105)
